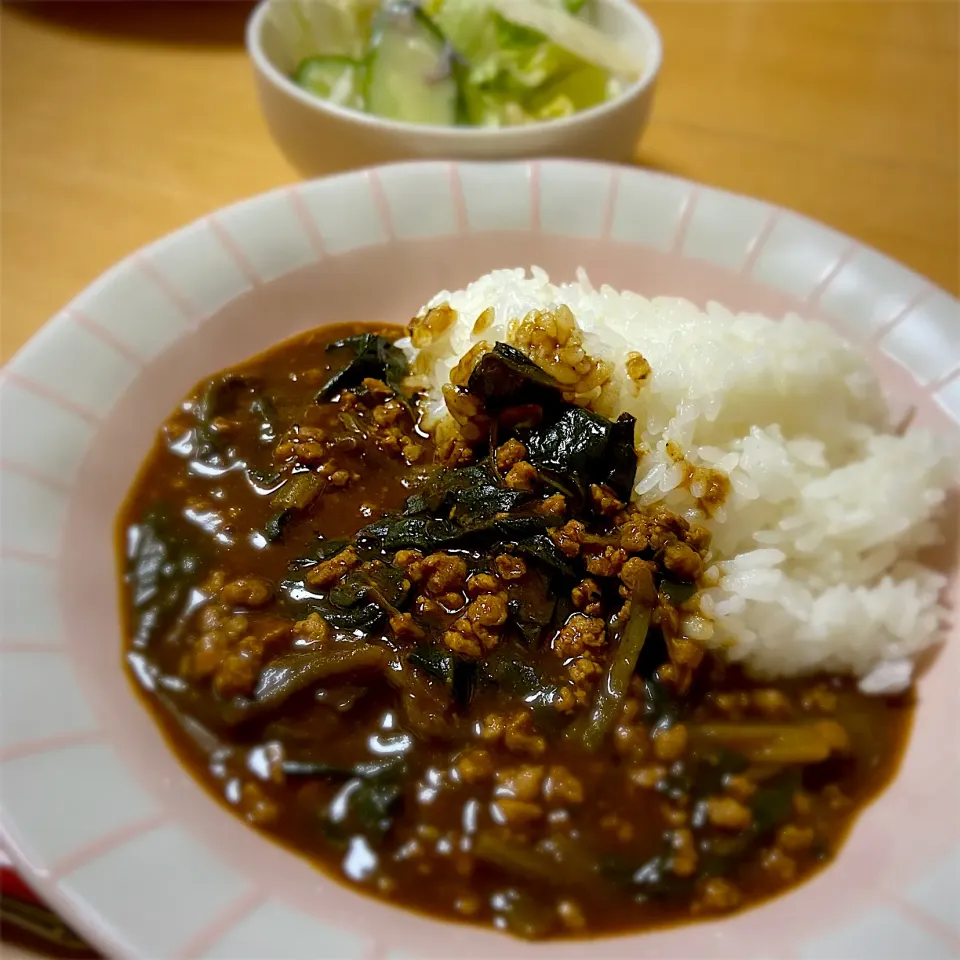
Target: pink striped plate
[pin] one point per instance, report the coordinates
(98, 814)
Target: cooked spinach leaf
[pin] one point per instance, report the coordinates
(374, 356)
(368, 802)
(580, 448)
(504, 377)
(162, 563)
(621, 456)
(459, 676)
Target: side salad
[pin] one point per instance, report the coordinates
(488, 63)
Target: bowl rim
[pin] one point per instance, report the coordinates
(646, 80)
(94, 925)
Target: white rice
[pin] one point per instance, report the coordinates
(813, 547)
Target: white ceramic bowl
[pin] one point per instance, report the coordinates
(94, 807)
(319, 137)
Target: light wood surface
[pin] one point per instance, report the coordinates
(122, 121)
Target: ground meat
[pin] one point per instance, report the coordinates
(637, 577)
(554, 506)
(561, 786)
(444, 572)
(584, 672)
(778, 865)
(728, 813)
(521, 783)
(405, 628)
(328, 572)
(647, 777)
(710, 487)
(578, 634)
(608, 563)
(475, 632)
(450, 448)
(510, 453)
(238, 672)
(516, 813)
(670, 743)
(739, 787)
(475, 766)
(586, 596)
(771, 703)
(716, 895)
(460, 374)
(638, 370)
(520, 735)
(569, 537)
(794, 839)
(509, 568)
(304, 444)
(521, 476)
(314, 629)
(404, 559)
(683, 862)
(682, 561)
(247, 592)
(604, 501)
(482, 583)
(651, 529)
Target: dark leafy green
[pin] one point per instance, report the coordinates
(374, 356)
(621, 456)
(382, 583)
(373, 795)
(532, 604)
(289, 674)
(459, 676)
(504, 377)
(162, 563)
(541, 548)
(581, 448)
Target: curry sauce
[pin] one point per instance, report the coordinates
(462, 686)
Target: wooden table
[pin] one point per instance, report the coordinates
(122, 121)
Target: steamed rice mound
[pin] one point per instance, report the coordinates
(822, 506)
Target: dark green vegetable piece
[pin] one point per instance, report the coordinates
(374, 356)
(372, 800)
(293, 672)
(378, 582)
(621, 456)
(532, 604)
(677, 593)
(221, 394)
(581, 448)
(771, 805)
(459, 676)
(362, 617)
(277, 523)
(324, 550)
(504, 377)
(541, 547)
(612, 690)
(335, 771)
(162, 564)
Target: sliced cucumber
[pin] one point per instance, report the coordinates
(411, 75)
(337, 79)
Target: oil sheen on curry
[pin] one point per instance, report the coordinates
(451, 674)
